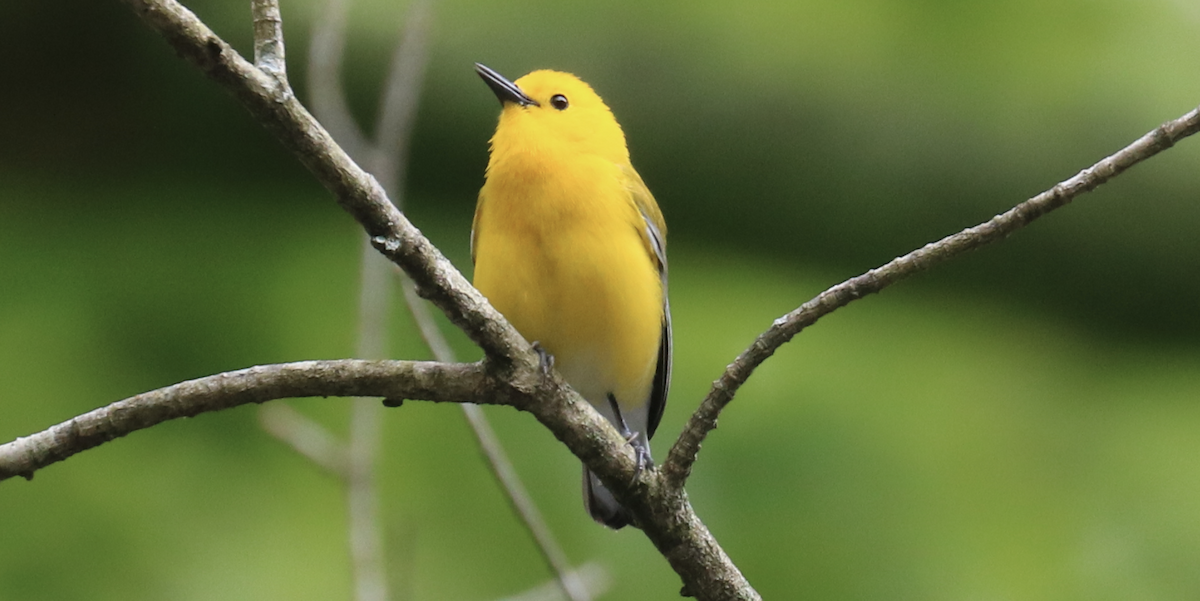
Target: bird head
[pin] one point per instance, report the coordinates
(553, 112)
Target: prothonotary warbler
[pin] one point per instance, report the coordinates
(570, 247)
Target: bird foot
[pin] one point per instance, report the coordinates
(642, 452)
(641, 446)
(544, 357)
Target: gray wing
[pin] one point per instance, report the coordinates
(662, 374)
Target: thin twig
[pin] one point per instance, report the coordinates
(683, 454)
(329, 102)
(328, 45)
(385, 159)
(501, 466)
(593, 578)
(389, 161)
(441, 382)
(366, 539)
(511, 371)
(268, 39)
(523, 504)
(423, 318)
(398, 102)
(306, 437)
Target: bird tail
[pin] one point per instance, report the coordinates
(601, 504)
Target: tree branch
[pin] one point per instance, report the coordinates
(592, 578)
(375, 296)
(510, 373)
(268, 39)
(355, 190)
(664, 514)
(441, 382)
(398, 104)
(328, 44)
(366, 542)
(307, 438)
(569, 581)
(386, 158)
(502, 468)
(683, 454)
(428, 328)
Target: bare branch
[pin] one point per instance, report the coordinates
(671, 524)
(328, 44)
(683, 454)
(366, 542)
(510, 374)
(386, 159)
(658, 503)
(398, 105)
(593, 578)
(306, 437)
(440, 382)
(523, 504)
(428, 328)
(268, 39)
(356, 191)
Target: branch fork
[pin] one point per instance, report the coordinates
(510, 374)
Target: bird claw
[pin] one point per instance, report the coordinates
(641, 447)
(545, 358)
(641, 455)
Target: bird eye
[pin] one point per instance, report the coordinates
(559, 102)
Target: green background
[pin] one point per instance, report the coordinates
(1023, 423)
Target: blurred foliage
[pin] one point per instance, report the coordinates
(837, 133)
(1017, 425)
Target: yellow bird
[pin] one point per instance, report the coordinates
(570, 246)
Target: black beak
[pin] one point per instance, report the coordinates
(504, 89)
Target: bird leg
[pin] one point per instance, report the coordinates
(641, 449)
(545, 358)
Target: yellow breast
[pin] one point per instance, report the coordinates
(559, 251)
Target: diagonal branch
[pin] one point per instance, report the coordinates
(423, 318)
(523, 504)
(510, 373)
(568, 580)
(384, 160)
(387, 159)
(307, 438)
(355, 190)
(593, 579)
(683, 454)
